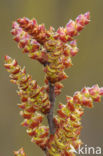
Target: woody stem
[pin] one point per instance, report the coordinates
(50, 114)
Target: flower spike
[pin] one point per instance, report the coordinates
(33, 99)
(29, 45)
(73, 27)
(68, 125)
(32, 95)
(37, 32)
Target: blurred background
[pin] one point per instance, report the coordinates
(87, 69)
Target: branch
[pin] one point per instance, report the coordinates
(50, 114)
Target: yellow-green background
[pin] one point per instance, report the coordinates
(87, 69)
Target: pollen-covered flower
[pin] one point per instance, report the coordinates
(59, 59)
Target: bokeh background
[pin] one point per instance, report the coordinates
(87, 69)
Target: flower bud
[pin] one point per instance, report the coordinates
(20, 152)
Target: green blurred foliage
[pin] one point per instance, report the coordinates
(87, 69)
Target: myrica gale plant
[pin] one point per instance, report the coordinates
(54, 50)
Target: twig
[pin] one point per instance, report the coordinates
(50, 114)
